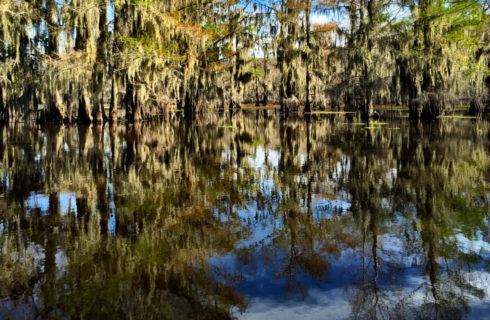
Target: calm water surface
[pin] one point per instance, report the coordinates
(246, 217)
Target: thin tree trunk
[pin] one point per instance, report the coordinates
(137, 114)
(281, 61)
(264, 84)
(114, 102)
(487, 84)
(69, 112)
(308, 54)
(85, 108)
(115, 77)
(50, 15)
(257, 102)
(4, 116)
(234, 75)
(129, 100)
(366, 41)
(99, 67)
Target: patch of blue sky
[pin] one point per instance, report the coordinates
(66, 202)
(474, 246)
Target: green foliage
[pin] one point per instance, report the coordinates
(255, 72)
(140, 2)
(392, 53)
(470, 217)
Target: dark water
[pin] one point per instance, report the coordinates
(246, 217)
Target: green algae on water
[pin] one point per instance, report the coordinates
(458, 117)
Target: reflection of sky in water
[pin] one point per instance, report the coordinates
(260, 261)
(274, 295)
(264, 157)
(313, 299)
(477, 246)
(112, 210)
(261, 284)
(66, 201)
(319, 305)
(5, 179)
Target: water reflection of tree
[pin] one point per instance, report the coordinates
(445, 196)
(158, 263)
(154, 203)
(423, 191)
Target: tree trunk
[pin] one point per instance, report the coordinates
(426, 74)
(487, 84)
(113, 107)
(69, 112)
(129, 100)
(4, 114)
(189, 106)
(137, 114)
(264, 84)
(85, 108)
(99, 67)
(308, 54)
(56, 112)
(79, 40)
(50, 15)
(257, 99)
(115, 76)
(234, 77)
(367, 57)
(281, 61)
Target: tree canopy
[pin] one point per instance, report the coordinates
(95, 60)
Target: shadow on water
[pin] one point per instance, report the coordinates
(243, 215)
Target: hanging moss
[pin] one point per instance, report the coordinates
(70, 59)
(429, 106)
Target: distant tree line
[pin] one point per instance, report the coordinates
(93, 61)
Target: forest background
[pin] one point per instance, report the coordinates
(92, 61)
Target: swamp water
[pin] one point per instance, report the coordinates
(246, 216)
